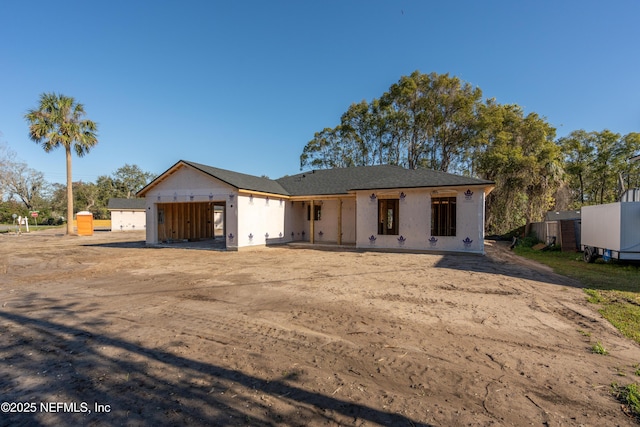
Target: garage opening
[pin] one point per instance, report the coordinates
(191, 221)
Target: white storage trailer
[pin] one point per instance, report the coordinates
(611, 231)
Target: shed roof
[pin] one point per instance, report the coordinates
(561, 215)
(116, 203)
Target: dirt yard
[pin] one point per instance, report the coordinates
(102, 330)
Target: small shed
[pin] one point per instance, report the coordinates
(127, 214)
(564, 226)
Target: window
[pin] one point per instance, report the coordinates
(388, 216)
(317, 212)
(443, 216)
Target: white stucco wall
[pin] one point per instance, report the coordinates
(326, 229)
(349, 221)
(296, 221)
(128, 220)
(414, 231)
(261, 221)
(190, 185)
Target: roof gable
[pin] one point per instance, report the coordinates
(237, 180)
(241, 181)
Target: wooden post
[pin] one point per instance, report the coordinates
(339, 221)
(311, 222)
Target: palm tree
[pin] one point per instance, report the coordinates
(59, 121)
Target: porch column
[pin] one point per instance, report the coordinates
(339, 221)
(311, 222)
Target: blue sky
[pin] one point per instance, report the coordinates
(243, 85)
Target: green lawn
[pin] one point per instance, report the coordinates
(614, 287)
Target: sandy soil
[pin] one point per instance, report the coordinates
(290, 336)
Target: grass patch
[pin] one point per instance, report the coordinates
(594, 296)
(629, 395)
(614, 286)
(598, 348)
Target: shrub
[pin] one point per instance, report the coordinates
(629, 396)
(529, 241)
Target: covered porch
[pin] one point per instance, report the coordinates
(323, 220)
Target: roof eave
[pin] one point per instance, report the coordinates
(305, 197)
(413, 187)
(262, 193)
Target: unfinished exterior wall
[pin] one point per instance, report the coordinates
(295, 221)
(349, 221)
(186, 221)
(128, 220)
(261, 221)
(325, 229)
(414, 220)
(183, 195)
(331, 221)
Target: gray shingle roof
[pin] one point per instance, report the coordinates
(241, 180)
(336, 181)
(341, 181)
(126, 204)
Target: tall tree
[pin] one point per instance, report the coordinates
(438, 115)
(59, 121)
(131, 179)
(631, 169)
(7, 159)
(86, 195)
(595, 163)
(18, 180)
(519, 154)
(608, 161)
(326, 151)
(545, 166)
(25, 183)
(423, 120)
(579, 154)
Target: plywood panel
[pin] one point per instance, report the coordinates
(191, 221)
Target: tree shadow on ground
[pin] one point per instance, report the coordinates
(218, 244)
(44, 360)
(498, 259)
(501, 261)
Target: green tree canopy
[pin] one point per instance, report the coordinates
(59, 121)
(424, 120)
(129, 179)
(597, 162)
(518, 152)
(439, 122)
